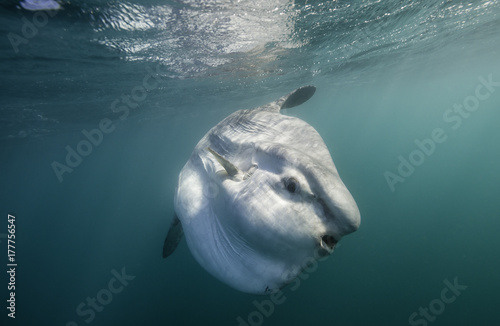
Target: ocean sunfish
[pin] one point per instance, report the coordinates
(259, 197)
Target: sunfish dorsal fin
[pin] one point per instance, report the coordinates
(228, 166)
(297, 97)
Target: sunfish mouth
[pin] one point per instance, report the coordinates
(328, 243)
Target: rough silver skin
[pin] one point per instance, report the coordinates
(260, 196)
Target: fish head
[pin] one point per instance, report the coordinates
(292, 203)
(288, 208)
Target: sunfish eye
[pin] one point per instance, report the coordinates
(292, 185)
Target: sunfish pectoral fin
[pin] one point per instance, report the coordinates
(297, 97)
(173, 238)
(228, 166)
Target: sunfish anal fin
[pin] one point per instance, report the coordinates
(173, 238)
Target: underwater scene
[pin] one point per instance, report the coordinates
(247, 163)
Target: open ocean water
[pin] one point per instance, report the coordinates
(408, 102)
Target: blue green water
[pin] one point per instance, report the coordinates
(408, 102)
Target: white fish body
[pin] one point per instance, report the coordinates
(259, 197)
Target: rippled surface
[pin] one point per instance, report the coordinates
(226, 45)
